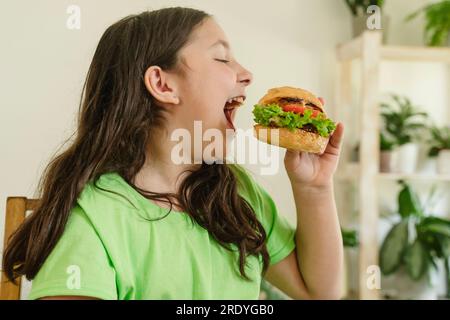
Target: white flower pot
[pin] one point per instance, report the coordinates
(400, 286)
(405, 158)
(443, 162)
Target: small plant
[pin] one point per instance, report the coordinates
(386, 144)
(437, 16)
(349, 238)
(359, 7)
(401, 120)
(440, 140)
(417, 241)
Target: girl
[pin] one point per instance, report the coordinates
(118, 219)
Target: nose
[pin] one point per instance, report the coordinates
(245, 76)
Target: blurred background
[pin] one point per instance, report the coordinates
(390, 86)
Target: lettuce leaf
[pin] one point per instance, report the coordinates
(274, 114)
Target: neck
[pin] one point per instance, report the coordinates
(160, 173)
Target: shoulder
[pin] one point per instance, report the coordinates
(107, 194)
(78, 255)
(247, 184)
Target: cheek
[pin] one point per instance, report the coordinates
(206, 90)
(217, 79)
(209, 93)
(227, 78)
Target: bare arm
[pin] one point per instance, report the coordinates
(315, 270)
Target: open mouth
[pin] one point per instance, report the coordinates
(230, 108)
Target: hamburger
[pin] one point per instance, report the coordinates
(298, 116)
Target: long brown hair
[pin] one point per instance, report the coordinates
(115, 121)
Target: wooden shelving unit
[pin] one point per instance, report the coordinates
(353, 176)
(368, 49)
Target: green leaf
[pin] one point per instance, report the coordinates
(441, 229)
(434, 233)
(349, 238)
(437, 25)
(385, 142)
(445, 246)
(413, 15)
(430, 241)
(435, 224)
(416, 260)
(435, 220)
(393, 247)
(408, 203)
(352, 6)
(440, 139)
(401, 120)
(433, 152)
(274, 114)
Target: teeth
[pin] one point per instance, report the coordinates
(239, 100)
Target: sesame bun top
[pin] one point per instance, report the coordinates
(275, 94)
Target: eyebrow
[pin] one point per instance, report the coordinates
(221, 42)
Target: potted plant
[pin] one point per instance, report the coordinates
(386, 147)
(440, 147)
(358, 8)
(413, 247)
(402, 123)
(437, 27)
(349, 238)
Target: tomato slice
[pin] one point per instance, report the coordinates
(299, 109)
(294, 108)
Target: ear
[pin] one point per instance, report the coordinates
(161, 86)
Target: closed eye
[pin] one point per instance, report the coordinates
(224, 61)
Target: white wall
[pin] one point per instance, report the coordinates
(43, 65)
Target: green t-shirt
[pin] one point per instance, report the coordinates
(110, 250)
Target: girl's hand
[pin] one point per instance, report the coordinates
(313, 170)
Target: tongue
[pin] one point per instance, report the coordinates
(228, 116)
